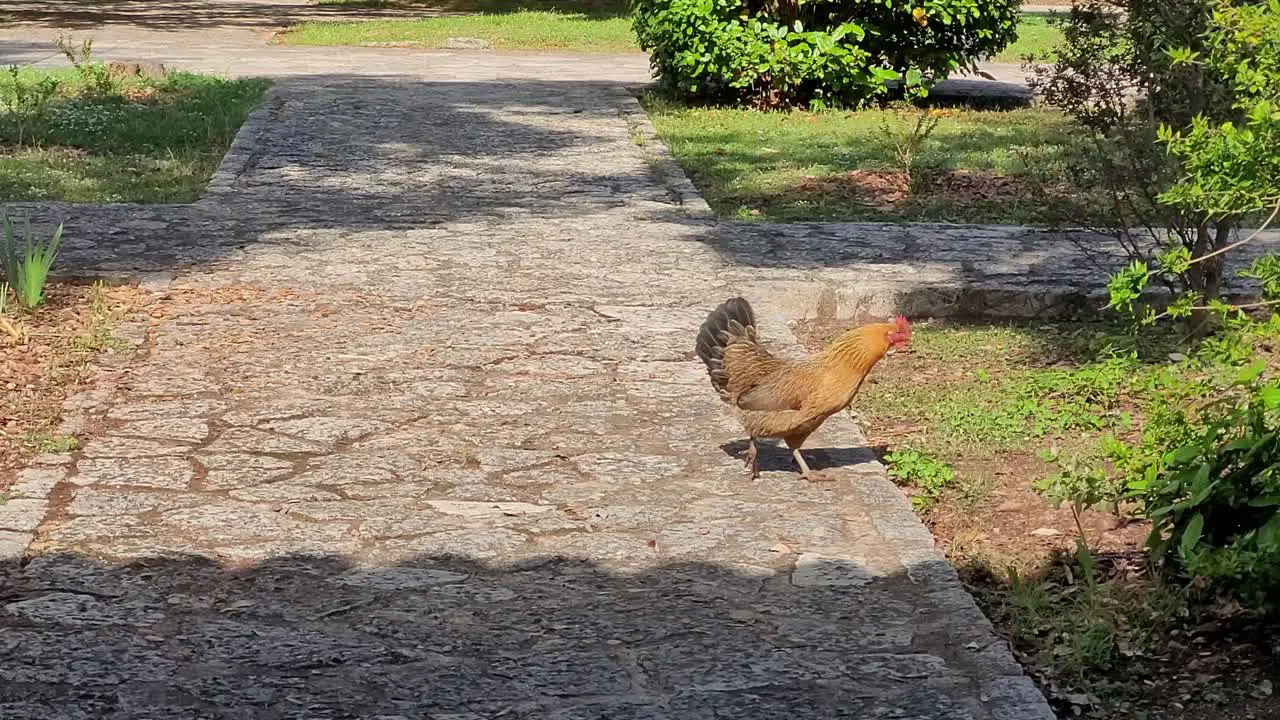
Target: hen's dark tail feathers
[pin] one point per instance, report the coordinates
(733, 320)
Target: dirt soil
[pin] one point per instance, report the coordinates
(48, 355)
(1215, 666)
(890, 190)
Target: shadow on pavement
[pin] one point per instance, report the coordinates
(447, 636)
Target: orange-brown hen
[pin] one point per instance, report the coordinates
(788, 399)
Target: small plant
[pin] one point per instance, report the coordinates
(17, 332)
(26, 103)
(28, 272)
(907, 143)
(1210, 483)
(94, 75)
(1081, 485)
(923, 472)
(44, 441)
(97, 336)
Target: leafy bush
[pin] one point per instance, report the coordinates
(825, 52)
(1180, 100)
(1205, 468)
(1207, 475)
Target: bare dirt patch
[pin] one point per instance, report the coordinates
(49, 354)
(890, 191)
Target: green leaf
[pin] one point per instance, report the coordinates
(1181, 455)
(913, 77)
(1265, 501)
(1250, 372)
(1191, 536)
(1270, 396)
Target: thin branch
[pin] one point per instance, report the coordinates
(1275, 211)
(1246, 306)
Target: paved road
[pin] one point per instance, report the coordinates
(416, 432)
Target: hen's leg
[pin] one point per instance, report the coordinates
(805, 471)
(752, 464)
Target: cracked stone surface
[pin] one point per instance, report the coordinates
(417, 432)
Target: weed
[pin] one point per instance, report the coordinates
(973, 492)
(908, 140)
(1082, 485)
(97, 337)
(43, 441)
(926, 474)
(26, 103)
(28, 272)
(95, 77)
(16, 330)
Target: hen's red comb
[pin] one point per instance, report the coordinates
(903, 326)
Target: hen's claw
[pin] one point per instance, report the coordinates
(751, 463)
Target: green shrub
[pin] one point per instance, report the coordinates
(1207, 474)
(826, 52)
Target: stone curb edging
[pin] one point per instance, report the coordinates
(244, 148)
(665, 166)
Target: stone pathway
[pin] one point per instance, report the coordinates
(419, 434)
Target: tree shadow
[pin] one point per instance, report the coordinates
(342, 154)
(317, 635)
(179, 15)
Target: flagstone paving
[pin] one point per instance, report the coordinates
(414, 429)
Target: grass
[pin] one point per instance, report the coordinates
(1036, 38)
(155, 141)
(976, 166)
(600, 26)
(961, 419)
(589, 8)
(521, 30)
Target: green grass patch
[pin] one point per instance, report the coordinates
(1036, 38)
(993, 389)
(588, 26)
(521, 30)
(589, 8)
(976, 166)
(150, 140)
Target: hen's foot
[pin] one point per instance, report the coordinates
(805, 471)
(751, 463)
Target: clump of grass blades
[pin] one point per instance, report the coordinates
(28, 272)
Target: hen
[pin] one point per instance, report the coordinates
(788, 399)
